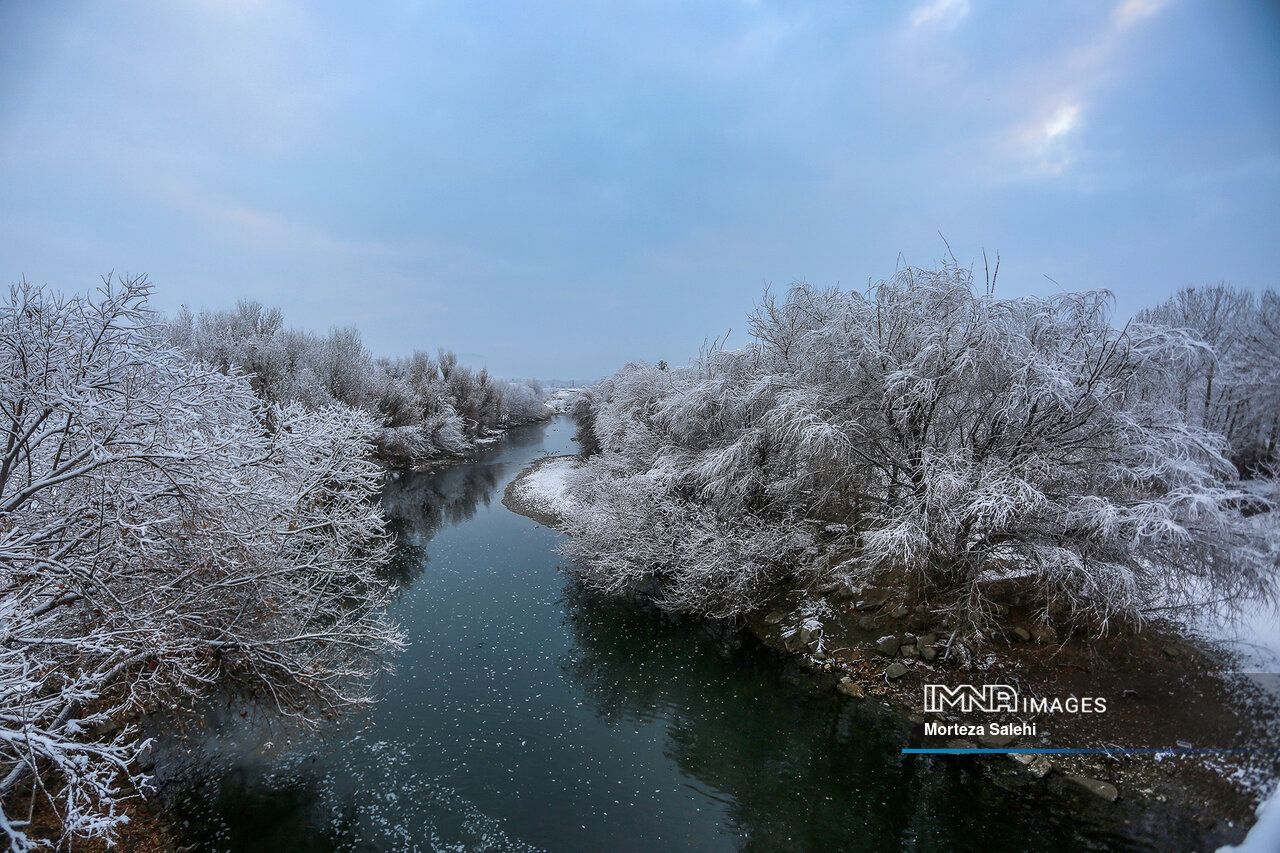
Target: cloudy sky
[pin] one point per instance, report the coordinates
(555, 188)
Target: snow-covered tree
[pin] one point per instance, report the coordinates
(162, 532)
(957, 441)
(1234, 387)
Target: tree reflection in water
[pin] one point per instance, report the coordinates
(800, 769)
(420, 503)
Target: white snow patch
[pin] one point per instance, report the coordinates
(547, 488)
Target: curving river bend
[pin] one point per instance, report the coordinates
(527, 714)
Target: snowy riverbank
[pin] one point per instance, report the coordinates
(541, 491)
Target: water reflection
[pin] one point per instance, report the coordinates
(418, 504)
(799, 769)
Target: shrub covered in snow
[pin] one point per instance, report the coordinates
(960, 440)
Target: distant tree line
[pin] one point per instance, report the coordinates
(942, 443)
(425, 407)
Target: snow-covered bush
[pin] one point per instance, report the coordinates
(634, 536)
(958, 441)
(163, 532)
(523, 402)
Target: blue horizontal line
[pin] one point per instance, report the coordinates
(1116, 751)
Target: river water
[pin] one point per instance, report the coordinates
(527, 714)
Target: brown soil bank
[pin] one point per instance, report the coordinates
(1154, 690)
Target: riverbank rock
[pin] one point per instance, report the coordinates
(774, 617)
(1021, 633)
(888, 646)
(1105, 790)
(1036, 765)
(896, 670)
(849, 687)
(810, 630)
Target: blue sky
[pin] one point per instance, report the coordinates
(555, 188)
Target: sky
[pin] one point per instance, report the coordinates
(556, 188)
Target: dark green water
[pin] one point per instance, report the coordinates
(527, 714)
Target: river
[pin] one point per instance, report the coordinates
(527, 714)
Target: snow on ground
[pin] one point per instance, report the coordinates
(547, 486)
(1254, 634)
(1255, 637)
(1265, 835)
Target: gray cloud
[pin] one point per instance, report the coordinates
(562, 187)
